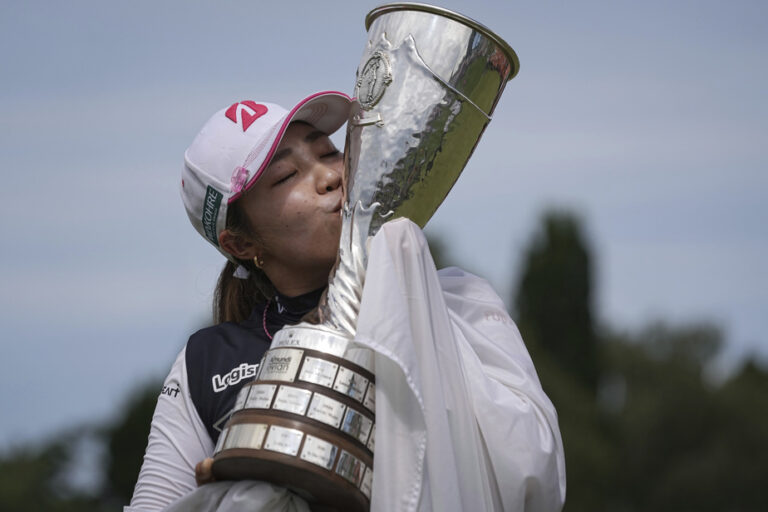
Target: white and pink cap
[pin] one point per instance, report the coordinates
(236, 145)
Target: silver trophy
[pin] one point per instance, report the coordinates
(426, 87)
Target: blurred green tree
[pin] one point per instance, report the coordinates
(643, 427)
(35, 478)
(553, 301)
(684, 443)
(126, 440)
(40, 477)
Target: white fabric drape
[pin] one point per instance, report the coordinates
(461, 420)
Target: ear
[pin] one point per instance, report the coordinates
(237, 245)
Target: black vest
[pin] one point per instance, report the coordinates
(222, 358)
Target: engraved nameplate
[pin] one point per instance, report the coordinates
(242, 396)
(283, 440)
(357, 425)
(350, 383)
(314, 339)
(319, 452)
(318, 371)
(326, 409)
(260, 396)
(281, 364)
(292, 399)
(245, 435)
(350, 468)
(370, 398)
(365, 485)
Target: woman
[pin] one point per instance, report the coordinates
(263, 185)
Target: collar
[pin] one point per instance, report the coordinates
(284, 310)
(299, 305)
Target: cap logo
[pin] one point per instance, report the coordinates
(211, 205)
(245, 113)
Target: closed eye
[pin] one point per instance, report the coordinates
(332, 154)
(285, 178)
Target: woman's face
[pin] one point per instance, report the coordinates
(295, 210)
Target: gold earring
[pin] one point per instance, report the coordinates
(258, 262)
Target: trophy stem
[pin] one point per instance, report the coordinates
(338, 309)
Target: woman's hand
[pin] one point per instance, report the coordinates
(203, 473)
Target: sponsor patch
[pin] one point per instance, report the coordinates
(211, 206)
(243, 371)
(172, 391)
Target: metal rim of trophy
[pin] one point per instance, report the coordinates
(453, 15)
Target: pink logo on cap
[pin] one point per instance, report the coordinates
(248, 111)
(239, 177)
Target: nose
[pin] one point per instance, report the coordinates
(328, 178)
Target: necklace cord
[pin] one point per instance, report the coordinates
(264, 319)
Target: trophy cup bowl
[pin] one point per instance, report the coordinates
(426, 87)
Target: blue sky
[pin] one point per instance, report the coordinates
(646, 118)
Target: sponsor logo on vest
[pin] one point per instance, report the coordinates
(170, 391)
(211, 206)
(235, 375)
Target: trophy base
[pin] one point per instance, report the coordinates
(306, 423)
(320, 492)
(330, 473)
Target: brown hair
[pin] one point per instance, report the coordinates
(235, 298)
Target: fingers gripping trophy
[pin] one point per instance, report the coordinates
(426, 87)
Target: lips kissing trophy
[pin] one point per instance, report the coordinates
(427, 84)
